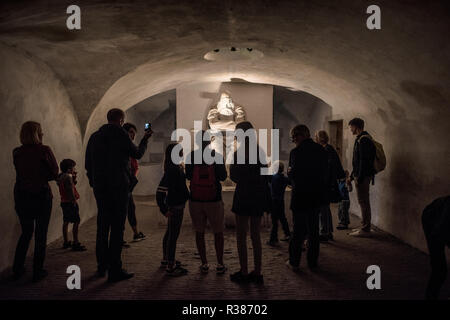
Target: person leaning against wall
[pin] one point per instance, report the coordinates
(35, 166)
(364, 153)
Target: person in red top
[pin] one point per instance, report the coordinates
(35, 166)
(134, 168)
(67, 180)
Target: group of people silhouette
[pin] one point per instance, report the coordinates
(314, 172)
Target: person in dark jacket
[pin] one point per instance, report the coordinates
(436, 226)
(134, 168)
(108, 170)
(308, 166)
(250, 201)
(278, 185)
(363, 172)
(334, 172)
(35, 166)
(171, 196)
(205, 202)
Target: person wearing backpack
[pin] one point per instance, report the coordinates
(206, 205)
(364, 154)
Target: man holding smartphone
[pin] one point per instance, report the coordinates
(134, 168)
(107, 166)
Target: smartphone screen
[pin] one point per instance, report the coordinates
(147, 126)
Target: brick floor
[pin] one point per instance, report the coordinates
(342, 274)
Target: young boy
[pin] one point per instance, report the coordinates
(344, 204)
(278, 186)
(67, 180)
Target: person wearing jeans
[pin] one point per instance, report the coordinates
(171, 196)
(344, 205)
(363, 172)
(362, 187)
(278, 186)
(174, 222)
(134, 168)
(35, 165)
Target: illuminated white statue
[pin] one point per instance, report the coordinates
(225, 115)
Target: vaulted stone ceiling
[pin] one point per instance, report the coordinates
(322, 47)
(396, 78)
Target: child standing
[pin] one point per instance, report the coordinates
(67, 180)
(278, 187)
(344, 204)
(171, 197)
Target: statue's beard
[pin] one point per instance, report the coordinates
(226, 108)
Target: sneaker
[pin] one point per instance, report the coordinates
(360, 233)
(290, 266)
(342, 226)
(67, 244)
(204, 268)
(256, 278)
(125, 244)
(176, 271)
(78, 247)
(138, 237)
(39, 275)
(119, 276)
(286, 238)
(239, 277)
(221, 269)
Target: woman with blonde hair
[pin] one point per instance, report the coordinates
(35, 166)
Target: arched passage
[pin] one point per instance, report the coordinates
(395, 78)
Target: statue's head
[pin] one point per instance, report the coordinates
(225, 97)
(225, 104)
